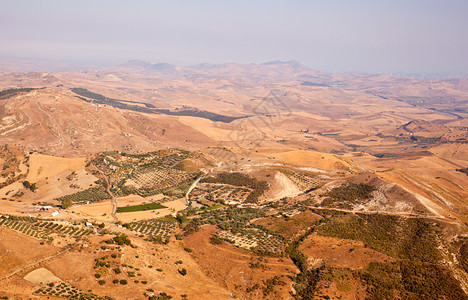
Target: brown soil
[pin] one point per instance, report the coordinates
(341, 253)
(78, 269)
(229, 266)
(18, 250)
(44, 166)
(290, 227)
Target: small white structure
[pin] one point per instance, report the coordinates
(87, 224)
(55, 213)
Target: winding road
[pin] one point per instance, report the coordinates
(114, 201)
(194, 185)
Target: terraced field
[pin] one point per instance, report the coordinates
(152, 180)
(153, 228)
(254, 239)
(219, 193)
(237, 228)
(304, 181)
(42, 229)
(94, 194)
(145, 174)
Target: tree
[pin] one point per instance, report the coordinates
(26, 184)
(121, 239)
(182, 271)
(66, 203)
(215, 240)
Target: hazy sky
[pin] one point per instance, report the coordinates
(351, 35)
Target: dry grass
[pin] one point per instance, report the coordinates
(312, 159)
(46, 166)
(41, 276)
(341, 253)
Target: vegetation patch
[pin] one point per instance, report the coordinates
(462, 256)
(304, 181)
(66, 290)
(10, 169)
(238, 230)
(385, 155)
(347, 195)
(144, 174)
(207, 193)
(149, 108)
(42, 229)
(309, 83)
(239, 179)
(157, 230)
(406, 238)
(307, 279)
(143, 207)
(120, 239)
(410, 280)
(464, 170)
(12, 92)
(94, 194)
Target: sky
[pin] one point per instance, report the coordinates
(335, 35)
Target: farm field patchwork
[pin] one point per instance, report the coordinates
(142, 207)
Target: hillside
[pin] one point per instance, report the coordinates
(259, 181)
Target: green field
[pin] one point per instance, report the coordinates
(216, 206)
(142, 207)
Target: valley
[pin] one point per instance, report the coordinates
(257, 181)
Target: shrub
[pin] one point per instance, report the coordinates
(215, 240)
(182, 271)
(66, 203)
(121, 239)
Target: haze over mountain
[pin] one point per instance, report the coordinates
(365, 36)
